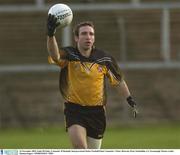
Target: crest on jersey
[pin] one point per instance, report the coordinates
(100, 69)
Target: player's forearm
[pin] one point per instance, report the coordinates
(126, 94)
(124, 90)
(52, 47)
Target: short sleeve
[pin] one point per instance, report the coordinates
(61, 62)
(114, 72)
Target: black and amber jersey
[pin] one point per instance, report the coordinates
(82, 80)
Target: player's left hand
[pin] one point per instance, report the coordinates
(135, 111)
(133, 105)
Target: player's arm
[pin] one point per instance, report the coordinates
(52, 45)
(115, 76)
(53, 49)
(124, 90)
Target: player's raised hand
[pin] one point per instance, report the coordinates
(51, 25)
(132, 103)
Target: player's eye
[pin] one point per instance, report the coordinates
(91, 33)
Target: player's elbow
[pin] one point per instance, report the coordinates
(55, 58)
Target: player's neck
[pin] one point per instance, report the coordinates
(85, 53)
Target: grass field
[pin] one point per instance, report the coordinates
(142, 137)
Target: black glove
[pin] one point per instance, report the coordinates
(51, 25)
(132, 103)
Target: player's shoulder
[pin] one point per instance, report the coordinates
(68, 49)
(104, 57)
(70, 52)
(100, 53)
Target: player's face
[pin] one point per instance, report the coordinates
(86, 38)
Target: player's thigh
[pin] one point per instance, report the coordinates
(77, 136)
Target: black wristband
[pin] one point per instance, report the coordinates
(130, 101)
(50, 33)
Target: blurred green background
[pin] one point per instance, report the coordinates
(120, 137)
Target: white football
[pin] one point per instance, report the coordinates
(63, 13)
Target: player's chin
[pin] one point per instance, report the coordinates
(87, 47)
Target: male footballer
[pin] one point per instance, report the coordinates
(84, 69)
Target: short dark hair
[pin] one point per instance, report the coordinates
(78, 26)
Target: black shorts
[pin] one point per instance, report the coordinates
(90, 117)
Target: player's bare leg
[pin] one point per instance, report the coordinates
(77, 136)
